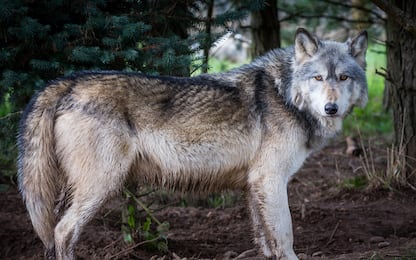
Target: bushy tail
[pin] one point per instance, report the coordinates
(38, 175)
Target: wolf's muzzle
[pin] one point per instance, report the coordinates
(331, 108)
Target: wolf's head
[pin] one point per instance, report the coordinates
(329, 77)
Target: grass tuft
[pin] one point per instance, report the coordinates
(393, 176)
(355, 183)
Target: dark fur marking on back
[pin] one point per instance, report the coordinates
(166, 103)
(260, 87)
(129, 122)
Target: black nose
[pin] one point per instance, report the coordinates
(331, 108)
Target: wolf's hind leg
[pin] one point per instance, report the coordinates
(93, 177)
(96, 160)
(86, 201)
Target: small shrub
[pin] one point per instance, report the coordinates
(151, 231)
(393, 176)
(357, 182)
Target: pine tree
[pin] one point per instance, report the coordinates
(43, 40)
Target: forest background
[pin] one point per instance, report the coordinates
(44, 40)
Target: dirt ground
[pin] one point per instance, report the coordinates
(332, 219)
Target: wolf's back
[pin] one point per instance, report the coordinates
(37, 161)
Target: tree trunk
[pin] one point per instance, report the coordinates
(401, 84)
(265, 29)
(207, 40)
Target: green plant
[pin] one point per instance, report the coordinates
(212, 200)
(157, 237)
(8, 148)
(128, 225)
(151, 231)
(217, 201)
(357, 182)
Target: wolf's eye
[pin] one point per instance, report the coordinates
(318, 78)
(343, 77)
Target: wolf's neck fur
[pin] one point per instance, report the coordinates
(319, 130)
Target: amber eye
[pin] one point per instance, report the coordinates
(318, 78)
(343, 77)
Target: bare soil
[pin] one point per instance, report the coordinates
(332, 219)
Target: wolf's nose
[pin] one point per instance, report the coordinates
(331, 108)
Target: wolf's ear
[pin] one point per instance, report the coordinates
(306, 45)
(358, 47)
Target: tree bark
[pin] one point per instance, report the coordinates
(207, 41)
(401, 84)
(265, 29)
(400, 16)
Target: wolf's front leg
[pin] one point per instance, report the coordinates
(269, 207)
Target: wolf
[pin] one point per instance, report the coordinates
(87, 134)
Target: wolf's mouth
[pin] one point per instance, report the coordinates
(333, 116)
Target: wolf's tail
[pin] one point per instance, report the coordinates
(38, 176)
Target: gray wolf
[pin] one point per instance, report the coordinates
(251, 128)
